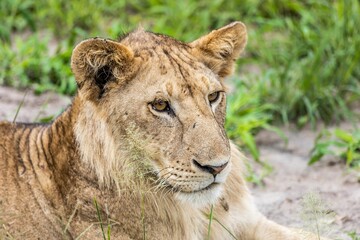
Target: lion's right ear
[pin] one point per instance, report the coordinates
(97, 62)
(219, 49)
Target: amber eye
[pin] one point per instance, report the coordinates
(213, 97)
(160, 105)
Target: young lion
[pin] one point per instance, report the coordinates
(142, 149)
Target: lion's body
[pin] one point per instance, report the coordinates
(30, 180)
(152, 169)
(45, 202)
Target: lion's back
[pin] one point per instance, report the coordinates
(6, 130)
(19, 192)
(8, 189)
(7, 149)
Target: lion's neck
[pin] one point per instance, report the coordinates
(104, 151)
(48, 153)
(62, 151)
(82, 145)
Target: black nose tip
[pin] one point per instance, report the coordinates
(214, 170)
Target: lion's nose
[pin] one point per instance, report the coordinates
(214, 170)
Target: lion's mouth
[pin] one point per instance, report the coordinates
(210, 187)
(198, 197)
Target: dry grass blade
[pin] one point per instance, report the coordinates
(19, 107)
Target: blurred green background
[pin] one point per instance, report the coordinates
(301, 64)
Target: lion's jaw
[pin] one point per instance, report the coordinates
(206, 195)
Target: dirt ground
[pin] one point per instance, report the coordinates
(288, 188)
(281, 198)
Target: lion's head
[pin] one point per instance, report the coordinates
(153, 100)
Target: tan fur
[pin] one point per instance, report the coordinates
(147, 170)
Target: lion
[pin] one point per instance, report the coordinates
(141, 153)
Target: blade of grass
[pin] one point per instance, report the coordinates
(87, 229)
(71, 217)
(20, 105)
(143, 214)
(231, 234)
(99, 217)
(210, 221)
(108, 232)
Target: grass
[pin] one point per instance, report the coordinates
(354, 236)
(316, 214)
(99, 218)
(306, 52)
(143, 210)
(211, 216)
(107, 235)
(313, 72)
(19, 107)
(246, 115)
(342, 144)
(226, 229)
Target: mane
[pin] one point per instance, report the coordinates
(121, 163)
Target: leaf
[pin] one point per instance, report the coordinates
(315, 158)
(249, 141)
(99, 217)
(47, 119)
(346, 137)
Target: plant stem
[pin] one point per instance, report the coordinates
(99, 216)
(210, 221)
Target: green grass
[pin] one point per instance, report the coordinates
(246, 114)
(306, 51)
(340, 143)
(99, 218)
(312, 61)
(107, 235)
(210, 221)
(354, 235)
(210, 216)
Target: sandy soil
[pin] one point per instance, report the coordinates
(284, 189)
(33, 108)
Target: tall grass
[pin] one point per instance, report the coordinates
(312, 61)
(210, 222)
(246, 115)
(343, 144)
(306, 52)
(28, 63)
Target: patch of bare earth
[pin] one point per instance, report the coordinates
(281, 196)
(33, 108)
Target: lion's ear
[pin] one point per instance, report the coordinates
(220, 48)
(96, 62)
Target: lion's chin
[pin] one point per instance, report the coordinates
(201, 198)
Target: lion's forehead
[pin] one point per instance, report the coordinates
(171, 70)
(178, 74)
(173, 59)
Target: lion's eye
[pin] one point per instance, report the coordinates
(213, 97)
(160, 105)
